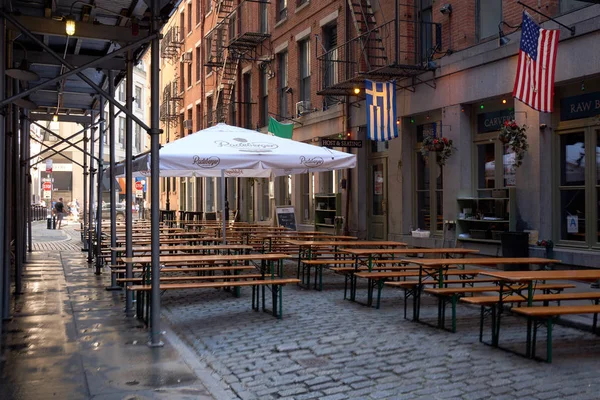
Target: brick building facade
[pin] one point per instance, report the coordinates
(300, 61)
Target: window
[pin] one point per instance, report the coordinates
(429, 180)
(189, 19)
(208, 49)
(300, 2)
(233, 107)
(106, 122)
(307, 196)
(283, 83)
(190, 117)
(427, 30)
(489, 15)
(264, 205)
(264, 17)
(182, 23)
(122, 91)
(138, 97)
(281, 10)
(181, 77)
(209, 111)
(330, 73)
(208, 6)
(189, 71)
(304, 70)
(121, 131)
(181, 128)
(198, 65)
(198, 11)
(264, 97)
(570, 5)
(138, 138)
(209, 195)
(578, 186)
(247, 93)
(198, 116)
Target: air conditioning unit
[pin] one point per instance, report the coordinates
(187, 124)
(303, 107)
(186, 57)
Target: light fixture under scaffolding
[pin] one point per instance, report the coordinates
(22, 72)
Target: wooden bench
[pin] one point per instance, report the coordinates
(452, 295)
(378, 279)
(276, 290)
(546, 315)
(140, 280)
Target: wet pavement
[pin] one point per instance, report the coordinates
(69, 338)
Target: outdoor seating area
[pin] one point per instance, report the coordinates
(193, 256)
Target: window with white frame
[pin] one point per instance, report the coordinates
(282, 61)
(138, 138)
(304, 59)
(209, 195)
(121, 131)
(138, 97)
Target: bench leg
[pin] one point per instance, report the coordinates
(549, 341)
(529, 351)
(481, 318)
(379, 289)
(532, 340)
(454, 301)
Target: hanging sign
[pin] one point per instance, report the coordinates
(48, 165)
(494, 121)
(582, 106)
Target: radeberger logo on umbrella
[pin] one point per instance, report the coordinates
(311, 162)
(242, 144)
(234, 172)
(206, 162)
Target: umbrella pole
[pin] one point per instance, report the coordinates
(223, 203)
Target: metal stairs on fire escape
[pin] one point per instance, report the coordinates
(372, 49)
(227, 64)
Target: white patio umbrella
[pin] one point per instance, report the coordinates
(230, 151)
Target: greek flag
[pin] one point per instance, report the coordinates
(381, 110)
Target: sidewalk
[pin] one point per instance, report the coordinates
(69, 338)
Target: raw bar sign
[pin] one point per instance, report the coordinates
(582, 106)
(341, 143)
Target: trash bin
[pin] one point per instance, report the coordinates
(515, 244)
(53, 222)
(49, 223)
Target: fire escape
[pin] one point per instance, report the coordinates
(237, 36)
(397, 49)
(171, 46)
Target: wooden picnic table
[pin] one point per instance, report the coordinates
(530, 278)
(147, 249)
(175, 259)
(365, 257)
(434, 268)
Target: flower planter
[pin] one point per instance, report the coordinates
(438, 147)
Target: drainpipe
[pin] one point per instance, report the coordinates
(3, 266)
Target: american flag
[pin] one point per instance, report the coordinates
(381, 110)
(534, 84)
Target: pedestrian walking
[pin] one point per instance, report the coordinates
(59, 209)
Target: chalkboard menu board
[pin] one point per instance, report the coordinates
(286, 217)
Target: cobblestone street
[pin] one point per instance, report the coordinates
(329, 348)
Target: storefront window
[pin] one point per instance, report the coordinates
(573, 186)
(486, 166)
(209, 195)
(306, 187)
(430, 197)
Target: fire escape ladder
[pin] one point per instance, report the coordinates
(363, 17)
(226, 83)
(224, 8)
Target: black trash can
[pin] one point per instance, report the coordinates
(49, 223)
(515, 244)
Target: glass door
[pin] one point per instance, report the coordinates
(378, 220)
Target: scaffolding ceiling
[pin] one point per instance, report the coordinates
(102, 27)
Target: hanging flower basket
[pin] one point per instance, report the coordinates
(514, 136)
(442, 146)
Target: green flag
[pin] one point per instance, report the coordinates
(276, 128)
